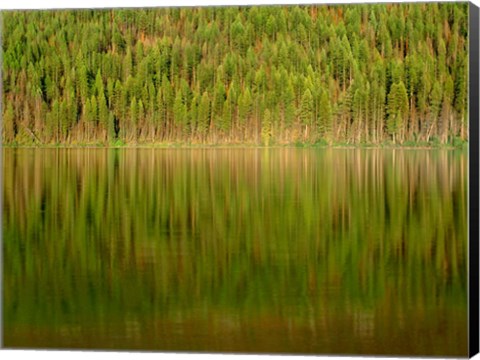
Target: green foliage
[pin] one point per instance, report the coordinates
(306, 108)
(266, 127)
(245, 105)
(397, 109)
(203, 114)
(329, 68)
(8, 124)
(179, 110)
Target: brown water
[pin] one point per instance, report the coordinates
(236, 250)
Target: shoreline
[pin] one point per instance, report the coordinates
(187, 146)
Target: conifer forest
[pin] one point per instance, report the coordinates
(258, 75)
(272, 179)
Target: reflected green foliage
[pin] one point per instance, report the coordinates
(313, 251)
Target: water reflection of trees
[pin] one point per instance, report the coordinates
(277, 234)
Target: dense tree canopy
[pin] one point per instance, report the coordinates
(370, 73)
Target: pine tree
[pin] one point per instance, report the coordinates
(8, 123)
(306, 112)
(325, 119)
(397, 109)
(266, 127)
(74, 76)
(203, 114)
(180, 111)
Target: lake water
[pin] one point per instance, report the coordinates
(236, 250)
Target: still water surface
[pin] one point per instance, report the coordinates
(242, 250)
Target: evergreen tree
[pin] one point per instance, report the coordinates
(397, 110)
(325, 119)
(203, 114)
(9, 124)
(266, 127)
(346, 73)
